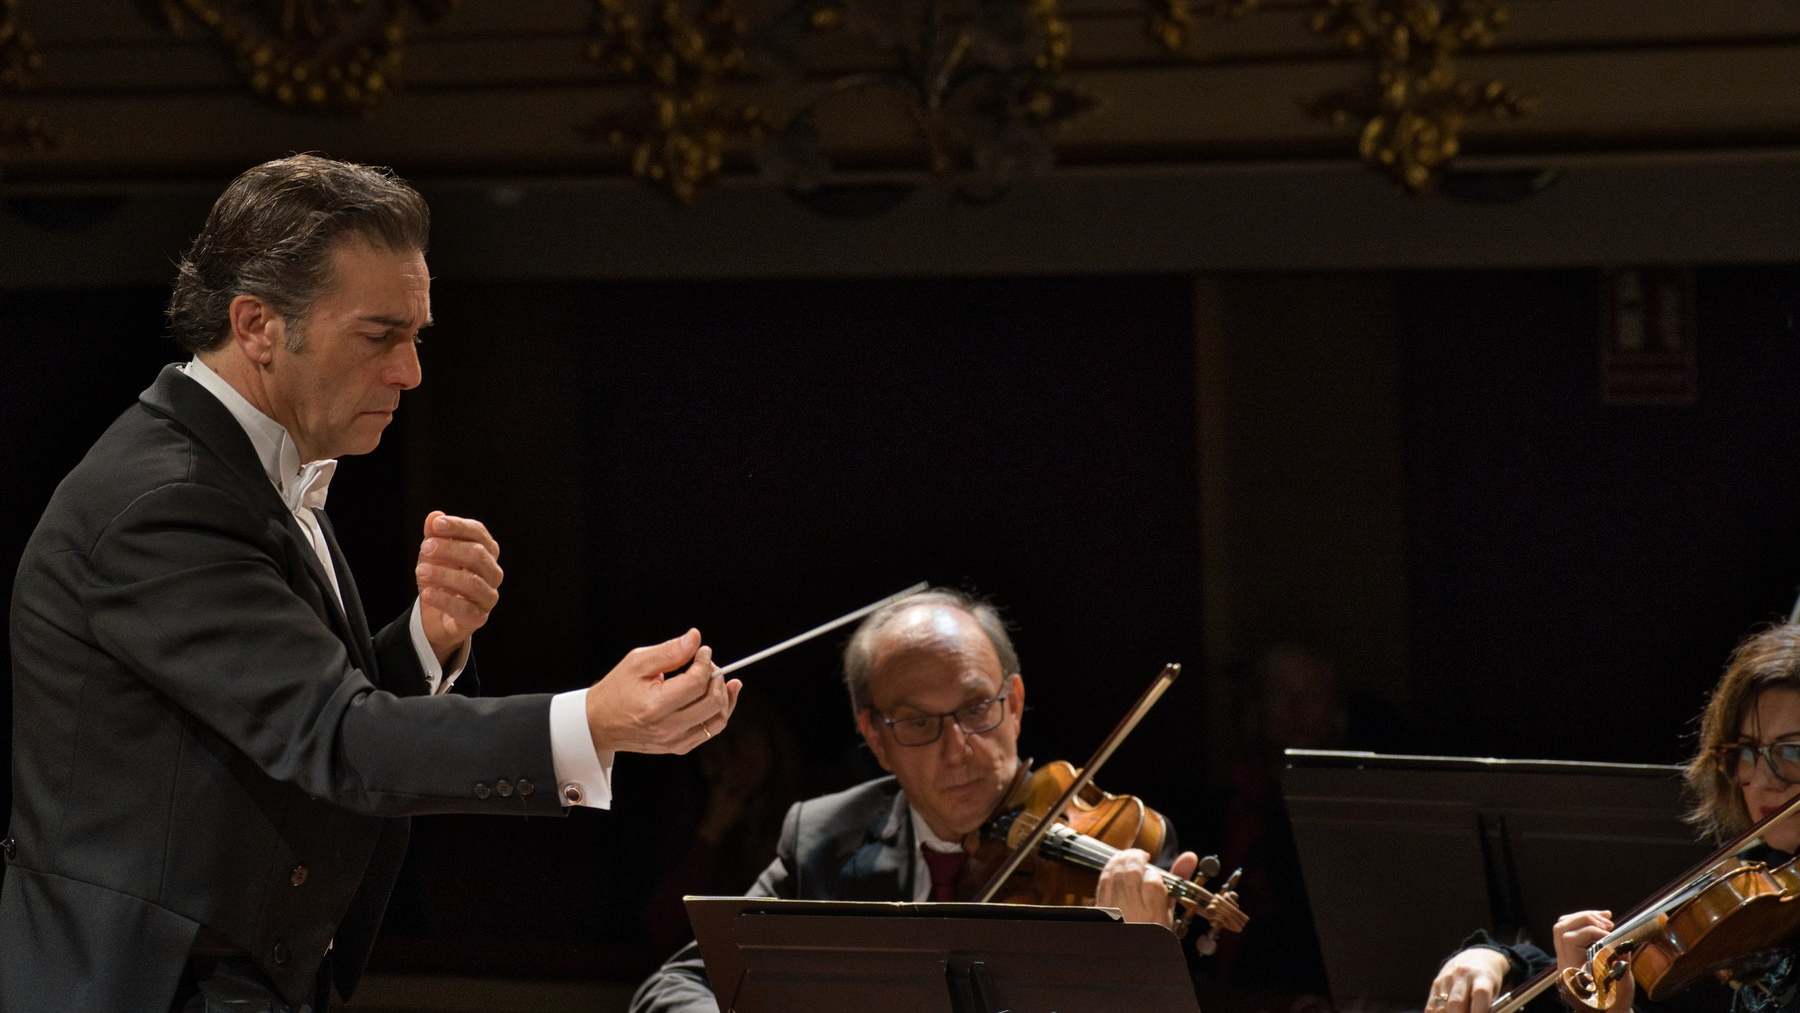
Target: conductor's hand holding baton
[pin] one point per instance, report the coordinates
(638, 707)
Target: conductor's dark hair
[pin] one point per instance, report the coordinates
(272, 232)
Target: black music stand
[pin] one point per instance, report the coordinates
(765, 955)
(1404, 855)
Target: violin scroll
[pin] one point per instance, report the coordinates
(1595, 985)
(1220, 913)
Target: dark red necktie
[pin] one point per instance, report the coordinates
(945, 867)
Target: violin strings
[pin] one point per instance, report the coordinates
(1095, 853)
(1064, 842)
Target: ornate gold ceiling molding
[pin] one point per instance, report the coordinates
(679, 133)
(1414, 105)
(986, 84)
(20, 62)
(318, 55)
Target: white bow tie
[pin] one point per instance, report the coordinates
(308, 488)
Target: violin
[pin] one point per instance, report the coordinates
(1736, 908)
(1725, 908)
(1023, 857)
(1096, 826)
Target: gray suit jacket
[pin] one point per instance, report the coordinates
(205, 745)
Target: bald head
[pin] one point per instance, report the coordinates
(941, 621)
(933, 635)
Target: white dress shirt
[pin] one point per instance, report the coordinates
(583, 775)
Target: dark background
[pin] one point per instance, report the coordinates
(1210, 383)
(1578, 573)
(753, 457)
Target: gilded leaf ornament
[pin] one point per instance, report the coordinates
(1172, 21)
(1414, 106)
(983, 82)
(322, 55)
(681, 54)
(20, 62)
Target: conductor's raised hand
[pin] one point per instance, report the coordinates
(459, 580)
(639, 708)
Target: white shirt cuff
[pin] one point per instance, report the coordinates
(434, 672)
(583, 774)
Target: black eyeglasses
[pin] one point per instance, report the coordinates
(973, 719)
(1738, 759)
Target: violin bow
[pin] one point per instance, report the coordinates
(1163, 681)
(1525, 993)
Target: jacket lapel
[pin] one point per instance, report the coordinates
(882, 868)
(180, 398)
(362, 644)
(329, 610)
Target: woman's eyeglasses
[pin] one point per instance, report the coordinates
(1737, 760)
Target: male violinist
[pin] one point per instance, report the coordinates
(936, 692)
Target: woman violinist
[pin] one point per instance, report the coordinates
(1747, 766)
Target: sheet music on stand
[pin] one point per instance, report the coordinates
(764, 955)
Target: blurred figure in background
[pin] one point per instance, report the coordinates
(1291, 698)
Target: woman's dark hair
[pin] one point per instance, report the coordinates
(1768, 660)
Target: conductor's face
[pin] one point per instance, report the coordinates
(357, 353)
(945, 718)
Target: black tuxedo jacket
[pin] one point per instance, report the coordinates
(205, 746)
